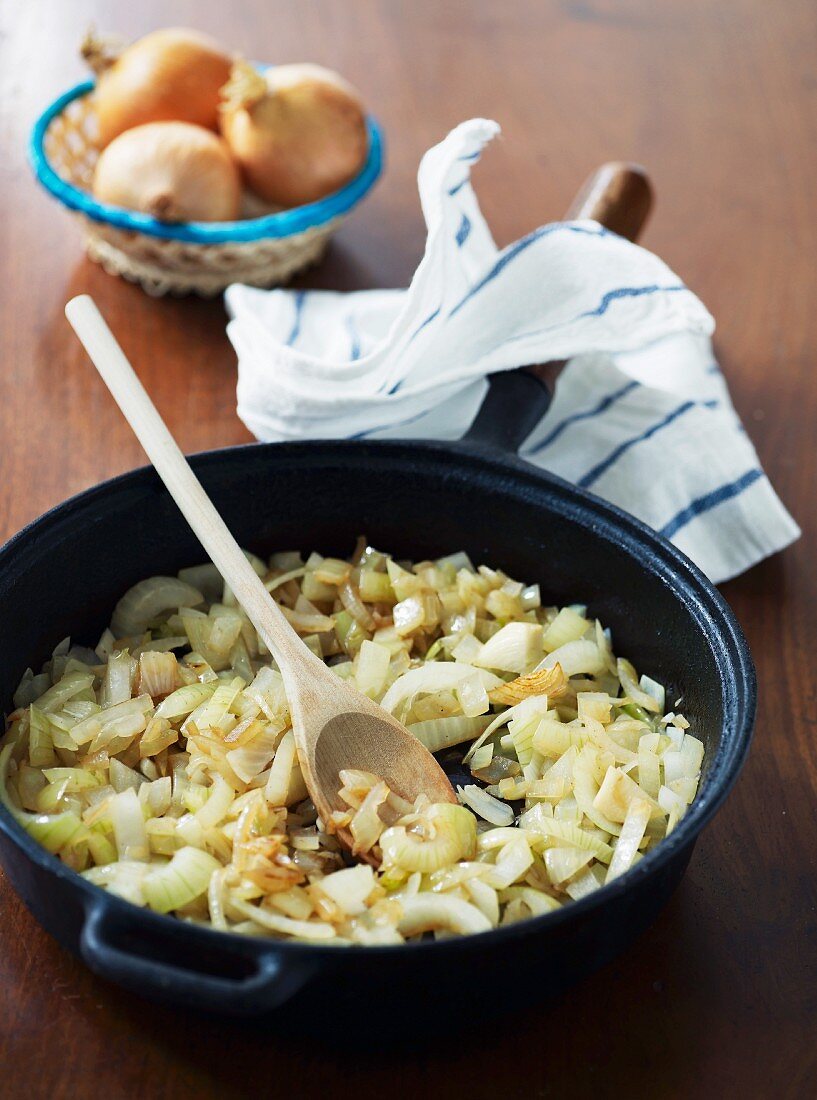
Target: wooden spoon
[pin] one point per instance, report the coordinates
(335, 726)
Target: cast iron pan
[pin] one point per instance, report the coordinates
(64, 573)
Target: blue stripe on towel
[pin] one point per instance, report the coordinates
(513, 251)
(295, 332)
(628, 292)
(398, 424)
(458, 186)
(354, 338)
(463, 231)
(601, 407)
(710, 500)
(471, 156)
(420, 327)
(600, 468)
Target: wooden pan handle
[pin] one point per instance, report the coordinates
(618, 196)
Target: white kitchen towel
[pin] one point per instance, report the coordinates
(641, 414)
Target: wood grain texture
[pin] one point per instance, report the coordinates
(719, 101)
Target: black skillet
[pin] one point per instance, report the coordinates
(64, 573)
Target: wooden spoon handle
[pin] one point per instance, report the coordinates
(183, 485)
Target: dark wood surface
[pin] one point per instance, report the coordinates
(719, 100)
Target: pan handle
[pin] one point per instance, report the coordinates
(267, 982)
(619, 196)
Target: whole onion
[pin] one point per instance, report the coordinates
(298, 131)
(169, 75)
(172, 170)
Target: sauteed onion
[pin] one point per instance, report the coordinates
(161, 765)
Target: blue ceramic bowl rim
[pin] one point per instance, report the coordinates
(286, 223)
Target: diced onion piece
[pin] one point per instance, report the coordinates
(684, 762)
(129, 826)
(182, 880)
(585, 883)
(430, 912)
(632, 833)
(124, 878)
(568, 833)
(649, 771)
(454, 838)
(124, 778)
(372, 668)
(367, 825)
(219, 800)
(443, 733)
(281, 925)
(307, 622)
(617, 792)
(148, 600)
(71, 685)
(349, 888)
(185, 700)
(629, 685)
(117, 685)
(267, 690)
(350, 598)
(656, 690)
(568, 626)
(432, 677)
(547, 681)
(536, 901)
(485, 805)
(563, 863)
(594, 704)
(30, 688)
(251, 759)
(467, 649)
(512, 863)
(576, 657)
(122, 719)
(158, 674)
(512, 649)
(282, 764)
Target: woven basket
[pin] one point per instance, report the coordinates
(264, 249)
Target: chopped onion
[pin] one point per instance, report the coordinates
(372, 668)
(129, 826)
(515, 648)
(629, 684)
(568, 626)
(182, 880)
(428, 912)
(148, 600)
(485, 805)
(632, 833)
(551, 682)
(349, 888)
(135, 769)
(575, 657)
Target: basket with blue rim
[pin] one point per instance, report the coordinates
(263, 249)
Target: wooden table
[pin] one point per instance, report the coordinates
(719, 998)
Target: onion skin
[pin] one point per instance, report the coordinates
(301, 138)
(169, 75)
(171, 170)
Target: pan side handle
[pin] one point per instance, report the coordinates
(139, 961)
(619, 196)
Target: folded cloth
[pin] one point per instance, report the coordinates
(641, 414)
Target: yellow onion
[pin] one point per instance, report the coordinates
(172, 170)
(298, 131)
(169, 75)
